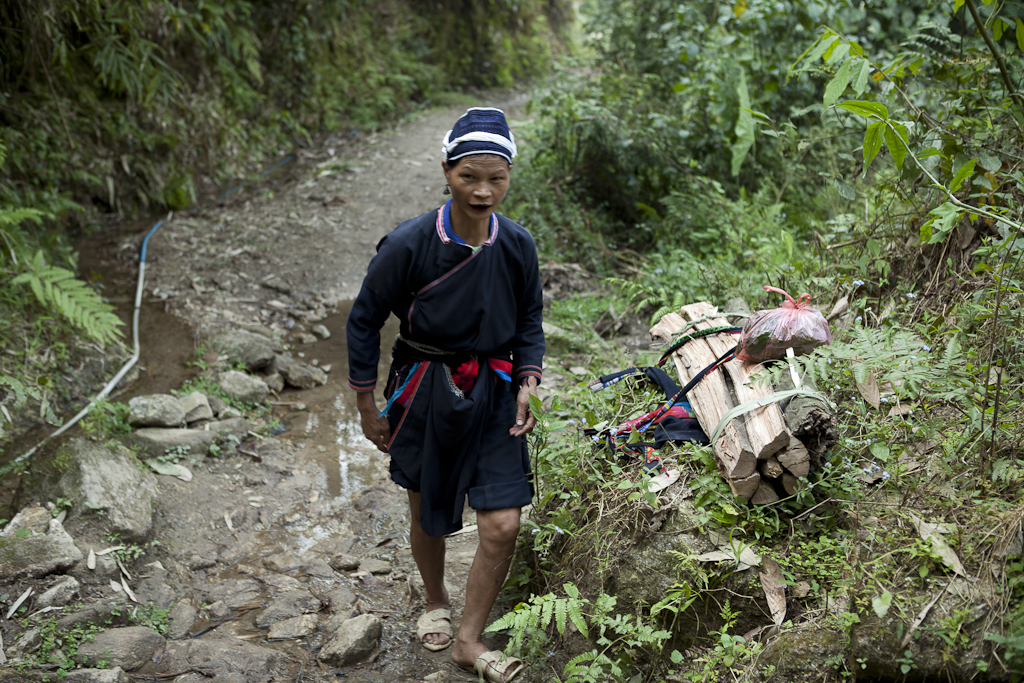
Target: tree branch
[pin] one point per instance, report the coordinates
(1014, 95)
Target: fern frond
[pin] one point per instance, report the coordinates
(561, 616)
(576, 616)
(59, 291)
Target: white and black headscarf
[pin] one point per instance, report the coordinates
(481, 130)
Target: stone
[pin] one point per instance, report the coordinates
(37, 555)
(217, 405)
(156, 441)
(154, 589)
(338, 619)
(27, 643)
(373, 499)
(275, 382)
(111, 482)
(254, 351)
(115, 675)
(181, 618)
(230, 426)
(224, 678)
(281, 562)
(318, 568)
(128, 648)
(321, 331)
(197, 562)
(158, 410)
(299, 375)
(97, 613)
(217, 610)
(290, 603)
(353, 642)
(197, 407)
(306, 338)
(339, 600)
(35, 518)
(235, 591)
(283, 582)
(62, 593)
(221, 656)
(296, 627)
(345, 562)
(242, 386)
(374, 566)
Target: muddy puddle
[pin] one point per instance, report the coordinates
(324, 421)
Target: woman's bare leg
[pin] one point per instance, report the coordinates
(498, 530)
(428, 551)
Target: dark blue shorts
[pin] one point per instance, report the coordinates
(502, 478)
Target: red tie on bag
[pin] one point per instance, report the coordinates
(796, 325)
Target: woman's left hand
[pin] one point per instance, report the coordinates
(525, 421)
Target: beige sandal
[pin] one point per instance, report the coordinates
(435, 621)
(497, 668)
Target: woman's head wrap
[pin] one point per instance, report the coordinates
(481, 130)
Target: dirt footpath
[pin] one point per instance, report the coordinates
(284, 256)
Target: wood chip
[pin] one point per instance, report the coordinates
(110, 550)
(115, 586)
(227, 521)
(91, 561)
(123, 570)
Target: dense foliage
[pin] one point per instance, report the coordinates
(116, 107)
(121, 103)
(868, 153)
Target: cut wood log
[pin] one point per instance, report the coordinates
(745, 487)
(809, 418)
(795, 459)
(791, 483)
(756, 451)
(771, 468)
(735, 458)
(765, 494)
(712, 395)
(764, 426)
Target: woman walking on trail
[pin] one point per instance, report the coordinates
(464, 283)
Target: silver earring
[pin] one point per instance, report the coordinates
(447, 190)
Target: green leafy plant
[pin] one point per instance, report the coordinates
(729, 655)
(107, 419)
(58, 290)
(618, 637)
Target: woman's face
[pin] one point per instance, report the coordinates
(478, 184)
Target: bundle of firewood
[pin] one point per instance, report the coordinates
(764, 452)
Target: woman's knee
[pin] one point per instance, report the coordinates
(498, 526)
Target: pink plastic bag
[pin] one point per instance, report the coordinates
(796, 325)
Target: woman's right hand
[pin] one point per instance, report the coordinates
(375, 428)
